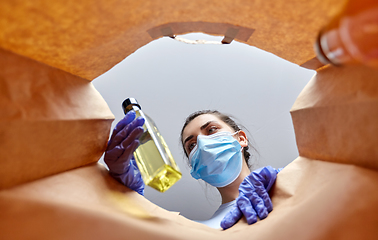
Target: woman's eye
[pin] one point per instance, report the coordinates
(191, 146)
(212, 130)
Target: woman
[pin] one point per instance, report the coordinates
(218, 153)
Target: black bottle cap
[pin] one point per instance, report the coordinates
(129, 103)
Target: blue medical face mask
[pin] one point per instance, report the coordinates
(216, 159)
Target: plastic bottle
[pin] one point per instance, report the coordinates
(155, 162)
(352, 36)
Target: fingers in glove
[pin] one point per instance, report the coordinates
(117, 158)
(121, 165)
(128, 153)
(113, 154)
(128, 118)
(258, 204)
(259, 188)
(123, 152)
(128, 148)
(245, 206)
(265, 197)
(133, 136)
(125, 132)
(231, 218)
(266, 175)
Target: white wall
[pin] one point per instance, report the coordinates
(171, 79)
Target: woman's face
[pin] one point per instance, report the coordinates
(205, 124)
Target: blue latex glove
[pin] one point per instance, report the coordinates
(253, 199)
(119, 152)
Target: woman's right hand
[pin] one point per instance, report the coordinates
(119, 152)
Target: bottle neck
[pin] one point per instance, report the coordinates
(330, 49)
(132, 107)
(351, 37)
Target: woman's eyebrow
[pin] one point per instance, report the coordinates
(206, 124)
(188, 138)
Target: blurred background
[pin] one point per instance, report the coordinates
(172, 79)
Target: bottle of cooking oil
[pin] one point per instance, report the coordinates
(155, 162)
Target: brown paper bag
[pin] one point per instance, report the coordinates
(336, 116)
(53, 121)
(50, 120)
(312, 200)
(87, 39)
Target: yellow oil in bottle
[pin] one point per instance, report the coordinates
(154, 159)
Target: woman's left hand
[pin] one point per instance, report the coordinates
(253, 199)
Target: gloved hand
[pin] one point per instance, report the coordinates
(253, 199)
(119, 152)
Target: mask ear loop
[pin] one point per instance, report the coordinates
(242, 148)
(237, 132)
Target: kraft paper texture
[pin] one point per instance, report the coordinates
(312, 200)
(54, 125)
(87, 38)
(51, 121)
(336, 116)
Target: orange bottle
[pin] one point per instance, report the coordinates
(352, 36)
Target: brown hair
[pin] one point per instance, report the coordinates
(226, 119)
